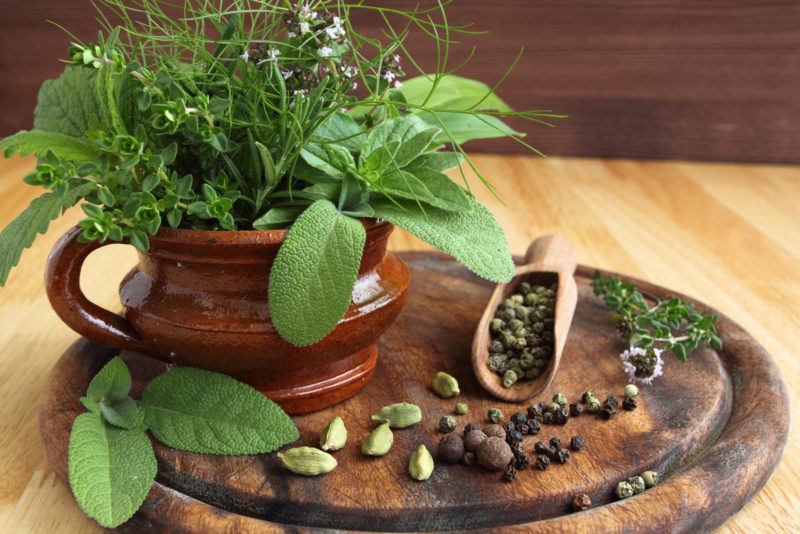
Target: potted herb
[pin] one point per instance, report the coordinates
(257, 157)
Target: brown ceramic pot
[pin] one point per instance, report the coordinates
(199, 298)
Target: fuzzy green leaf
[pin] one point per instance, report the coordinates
(279, 217)
(342, 130)
(436, 161)
(20, 233)
(333, 160)
(124, 413)
(408, 136)
(473, 237)
(69, 104)
(200, 411)
(430, 187)
(112, 382)
(111, 470)
(39, 143)
(453, 93)
(463, 127)
(314, 272)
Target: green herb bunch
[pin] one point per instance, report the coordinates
(256, 114)
(111, 460)
(671, 324)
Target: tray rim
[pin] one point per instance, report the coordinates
(762, 383)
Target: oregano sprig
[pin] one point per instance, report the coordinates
(671, 324)
(111, 461)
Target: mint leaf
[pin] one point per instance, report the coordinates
(112, 382)
(111, 470)
(314, 272)
(20, 233)
(473, 237)
(69, 104)
(462, 127)
(426, 186)
(39, 143)
(342, 130)
(453, 93)
(124, 413)
(200, 411)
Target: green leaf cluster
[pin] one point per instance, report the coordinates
(275, 116)
(111, 460)
(671, 324)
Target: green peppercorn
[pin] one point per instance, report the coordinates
(586, 396)
(637, 483)
(593, 405)
(554, 406)
(624, 490)
(631, 391)
(461, 408)
(510, 378)
(561, 399)
(494, 415)
(447, 423)
(650, 478)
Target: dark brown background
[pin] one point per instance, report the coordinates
(685, 79)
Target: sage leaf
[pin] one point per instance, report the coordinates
(409, 136)
(312, 279)
(462, 127)
(112, 382)
(436, 161)
(473, 237)
(39, 143)
(331, 159)
(124, 413)
(201, 411)
(111, 469)
(342, 130)
(430, 187)
(278, 217)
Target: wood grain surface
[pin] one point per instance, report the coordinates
(725, 234)
(688, 79)
(688, 417)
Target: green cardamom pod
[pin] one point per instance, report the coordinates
(378, 442)
(400, 415)
(307, 461)
(334, 436)
(445, 385)
(420, 466)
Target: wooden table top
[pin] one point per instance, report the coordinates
(726, 234)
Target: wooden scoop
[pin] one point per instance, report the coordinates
(549, 259)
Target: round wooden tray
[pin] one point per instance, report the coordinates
(716, 426)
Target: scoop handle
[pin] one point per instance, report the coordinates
(552, 250)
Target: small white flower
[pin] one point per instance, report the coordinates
(246, 55)
(350, 71)
(398, 84)
(287, 74)
(300, 93)
(389, 76)
(396, 58)
(273, 53)
(344, 110)
(354, 86)
(636, 359)
(305, 27)
(326, 51)
(291, 34)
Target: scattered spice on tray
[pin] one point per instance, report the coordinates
(334, 436)
(635, 485)
(521, 341)
(307, 461)
(461, 408)
(445, 385)
(420, 466)
(379, 441)
(451, 449)
(581, 502)
(494, 415)
(447, 423)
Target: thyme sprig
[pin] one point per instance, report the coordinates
(671, 324)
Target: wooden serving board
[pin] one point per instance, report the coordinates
(715, 426)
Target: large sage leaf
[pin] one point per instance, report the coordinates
(452, 93)
(462, 127)
(110, 469)
(314, 273)
(200, 411)
(430, 187)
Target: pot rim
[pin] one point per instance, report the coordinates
(167, 234)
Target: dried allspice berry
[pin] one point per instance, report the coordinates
(494, 453)
(581, 502)
(473, 439)
(451, 449)
(470, 427)
(495, 431)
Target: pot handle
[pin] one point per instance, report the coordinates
(63, 284)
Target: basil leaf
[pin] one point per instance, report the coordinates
(201, 411)
(473, 237)
(314, 272)
(111, 470)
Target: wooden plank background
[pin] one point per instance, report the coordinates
(671, 79)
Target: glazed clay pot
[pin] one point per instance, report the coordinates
(199, 298)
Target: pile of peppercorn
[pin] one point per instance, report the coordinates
(522, 334)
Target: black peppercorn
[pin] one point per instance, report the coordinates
(543, 407)
(470, 427)
(575, 409)
(611, 401)
(577, 443)
(562, 456)
(518, 418)
(534, 411)
(510, 473)
(607, 412)
(629, 404)
(523, 429)
(515, 436)
(555, 442)
(561, 416)
(534, 426)
(518, 449)
(542, 462)
(552, 452)
(547, 418)
(523, 462)
(508, 426)
(540, 447)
